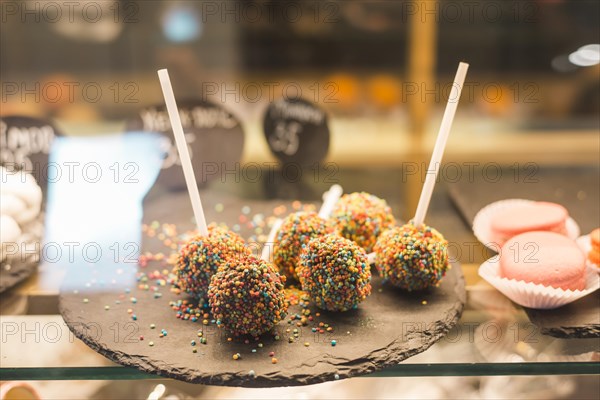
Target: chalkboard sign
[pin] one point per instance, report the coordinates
(25, 144)
(296, 131)
(214, 136)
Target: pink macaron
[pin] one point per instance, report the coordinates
(545, 258)
(534, 216)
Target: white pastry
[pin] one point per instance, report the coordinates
(21, 196)
(10, 232)
(11, 204)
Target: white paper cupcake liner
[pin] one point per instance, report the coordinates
(533, 295)
(585, 244)
(482, 223)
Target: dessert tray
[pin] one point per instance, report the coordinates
(125, 315)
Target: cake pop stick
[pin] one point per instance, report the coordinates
(371, 258)
(184, 154)
(438, 152)
(331, 197)
(267, 251)
(440, 144)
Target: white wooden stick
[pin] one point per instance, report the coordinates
(440, 144)
(267, 251)
(371, 258)
(331, 197)
(182, 148)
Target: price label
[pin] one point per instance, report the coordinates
(214, 136)
(25, 144)
(297, 131)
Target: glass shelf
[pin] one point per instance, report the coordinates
(493, 337)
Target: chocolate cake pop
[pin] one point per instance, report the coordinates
(412, 258)
(295, 231)
(362, 217)
(247, 297)
(202, 256)
(334, 272)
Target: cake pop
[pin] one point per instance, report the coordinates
(202, 256)
(295, 231)
(362, 217)
(289, 235)
(412, 258)
(334, 272)
(415, 256)
(213, 247)
(247, 297)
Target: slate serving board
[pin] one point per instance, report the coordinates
(387, 328)
(575, 188)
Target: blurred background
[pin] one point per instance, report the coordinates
(381, 70)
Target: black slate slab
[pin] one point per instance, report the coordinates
(578, 190)
(580, 319)
(387, 328)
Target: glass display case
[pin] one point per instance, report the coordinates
(381, 72)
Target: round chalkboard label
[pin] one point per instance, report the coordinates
(297, 131)
(214, 136)
(25, 144)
